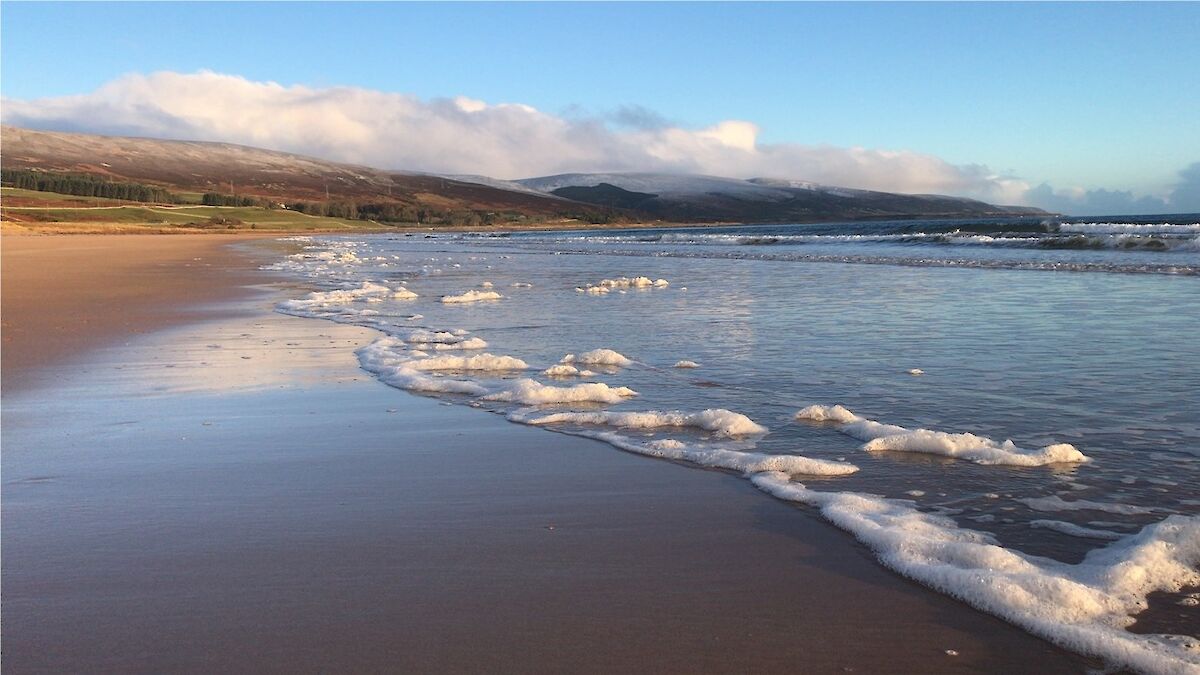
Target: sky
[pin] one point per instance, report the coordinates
(1078, 107)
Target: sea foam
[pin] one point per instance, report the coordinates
(368, 290)
(477, 362)
(1083, 607)
(720, 458)
(1056, 503)
(598, 357)
(471, 296)
(623, 283)
(978, 449)
(381, 358)
(532, 392)
(717, 421)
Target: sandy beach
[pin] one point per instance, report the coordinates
(64, 295)
(194, 483)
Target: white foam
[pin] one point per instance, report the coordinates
(978, 449)
(532, 392)
(1056, 503)
(1075, 530)
(916, 371)
(421, 336)
(718, 421)
(623, 283)
(322, 300)
(722, 458)
(381, 358)
(468, 343)
(598, 357)
(686, 364)
(477, 362)
(1083, 607)
(471, 296)
(564, 370)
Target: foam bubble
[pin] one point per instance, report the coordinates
(1075, 530)
(718, 421)
(381, 358)
(471, 296)
(623, 283)
(322, 300)
(468, 343)
(532, 392)
(598, 357)
(723, 458)
(1083, 607)
(477, 362)
(686, 364)
(978, 449)
(1056, 503)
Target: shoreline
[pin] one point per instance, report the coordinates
(261, 505)
(66, 296)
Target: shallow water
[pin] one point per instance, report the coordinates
(1008, 342)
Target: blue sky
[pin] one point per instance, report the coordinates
(1077, 95)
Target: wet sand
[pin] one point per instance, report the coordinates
(63, 295)
(234, 494)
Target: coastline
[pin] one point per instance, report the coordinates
(64, 296)
(267, 505)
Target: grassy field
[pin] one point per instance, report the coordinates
(48, 210)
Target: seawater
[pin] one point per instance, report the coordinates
(1084, 333)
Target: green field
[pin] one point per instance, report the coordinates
(97, 212)
(34, 194)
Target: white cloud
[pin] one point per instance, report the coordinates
(1184, 197)
(463, 135)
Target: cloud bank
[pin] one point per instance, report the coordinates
(1183, 198)
(510, 140)
(462, 135)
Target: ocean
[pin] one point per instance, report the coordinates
(1005, 410)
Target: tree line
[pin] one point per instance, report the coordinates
(398, 212)
(218, 199)
(84, 185)
(383, 212)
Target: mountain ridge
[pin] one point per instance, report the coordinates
(228, 168)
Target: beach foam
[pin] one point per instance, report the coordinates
(532, 392)
(565, 370)
(1083, 607)
(471, 296)
(1056, 503)
(686, 364)
(467, 343)
(1075, 530)
(381, 358)
(718, 421)
(477, 362)
(367, 291)
(598, 357)
(978, 449)
(722, 458)
(623, 283)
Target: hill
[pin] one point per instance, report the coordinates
(191, 167)
(711, 198)
(223, 174)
